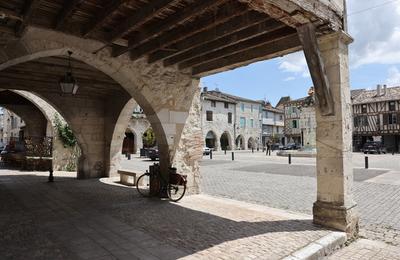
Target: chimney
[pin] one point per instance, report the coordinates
(205, 89)
(384, 90)
(378, 90)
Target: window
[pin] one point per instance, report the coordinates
(251, 123)
(242, 107)
(213, 103)
(392, 119)
(209, 116)
(251, 108)
(294, 124)
(226, 105)
(242, 122)
(392, 106)
(280, 117)
(364, 108)
(229, 118)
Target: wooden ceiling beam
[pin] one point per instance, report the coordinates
(269, 50)
(37, 77)
(262, 39)
(231, 26)
(142, 16)
(101, 18)
(222, 15)
(192, 11)
(231, 39)
(27, 15)
(58, 70)
(66, 12)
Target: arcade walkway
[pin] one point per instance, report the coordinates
(92, 219)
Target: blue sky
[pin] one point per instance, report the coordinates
(374, 58)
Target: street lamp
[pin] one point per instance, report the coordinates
(67, 82)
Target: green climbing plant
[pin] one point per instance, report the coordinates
(149, 138)
(64, 132)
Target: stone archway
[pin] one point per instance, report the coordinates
(240, 142)
(211, 140)
(225, 141)
(148, 84)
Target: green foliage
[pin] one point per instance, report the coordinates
(149, 139)
(65, 133)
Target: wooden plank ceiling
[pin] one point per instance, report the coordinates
(205, 35)
(45, 73)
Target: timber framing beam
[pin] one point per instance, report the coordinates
(27, 15)
(153, 9)
(231, 39)
(316, 66)
(269, 50)
(238, 23)
(262, 39)
(295, 13)
(148, 33)
(222, 15)
(100, 19)
(68, 9)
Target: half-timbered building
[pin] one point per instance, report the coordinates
(376, 117)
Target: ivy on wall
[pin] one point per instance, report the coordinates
(64, 132)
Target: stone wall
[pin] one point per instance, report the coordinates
(249, 132)
(220, 124)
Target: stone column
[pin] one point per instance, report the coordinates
(335, 206)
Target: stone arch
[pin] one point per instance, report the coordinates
(211, 140)
(240, 142)
(251, 143)
(148, 84)
(226, 141)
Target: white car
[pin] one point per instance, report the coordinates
(206, 151)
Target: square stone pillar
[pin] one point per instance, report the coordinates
(335, 206)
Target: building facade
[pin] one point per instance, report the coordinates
(376, 117)
(230, 122)
(300, 123)
(11, 126)
(273, 124)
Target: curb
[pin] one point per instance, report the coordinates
(320, 248)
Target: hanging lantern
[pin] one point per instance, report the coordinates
(68, 83)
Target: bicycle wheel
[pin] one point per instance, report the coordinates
(143, 185)
(177, 191)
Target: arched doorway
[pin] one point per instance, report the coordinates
(225, 141)
(251, 144)
(211, 139)
(240, 142)
(129, 145)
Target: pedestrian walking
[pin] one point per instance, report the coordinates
(269, 144)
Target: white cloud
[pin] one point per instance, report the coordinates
(289, 79)
(294, 63)
(376, 32)
(393, 76)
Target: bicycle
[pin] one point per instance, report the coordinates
(153, 183)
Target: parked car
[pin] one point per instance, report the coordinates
(291, 146)
(276, 146)
(206, 150)
(153, 153)
(374, 147)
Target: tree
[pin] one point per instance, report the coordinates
(149, 139)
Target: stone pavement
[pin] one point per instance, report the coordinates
(97, 219)
(272, 182)
(367, 250)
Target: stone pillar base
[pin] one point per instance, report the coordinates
(337, 217)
